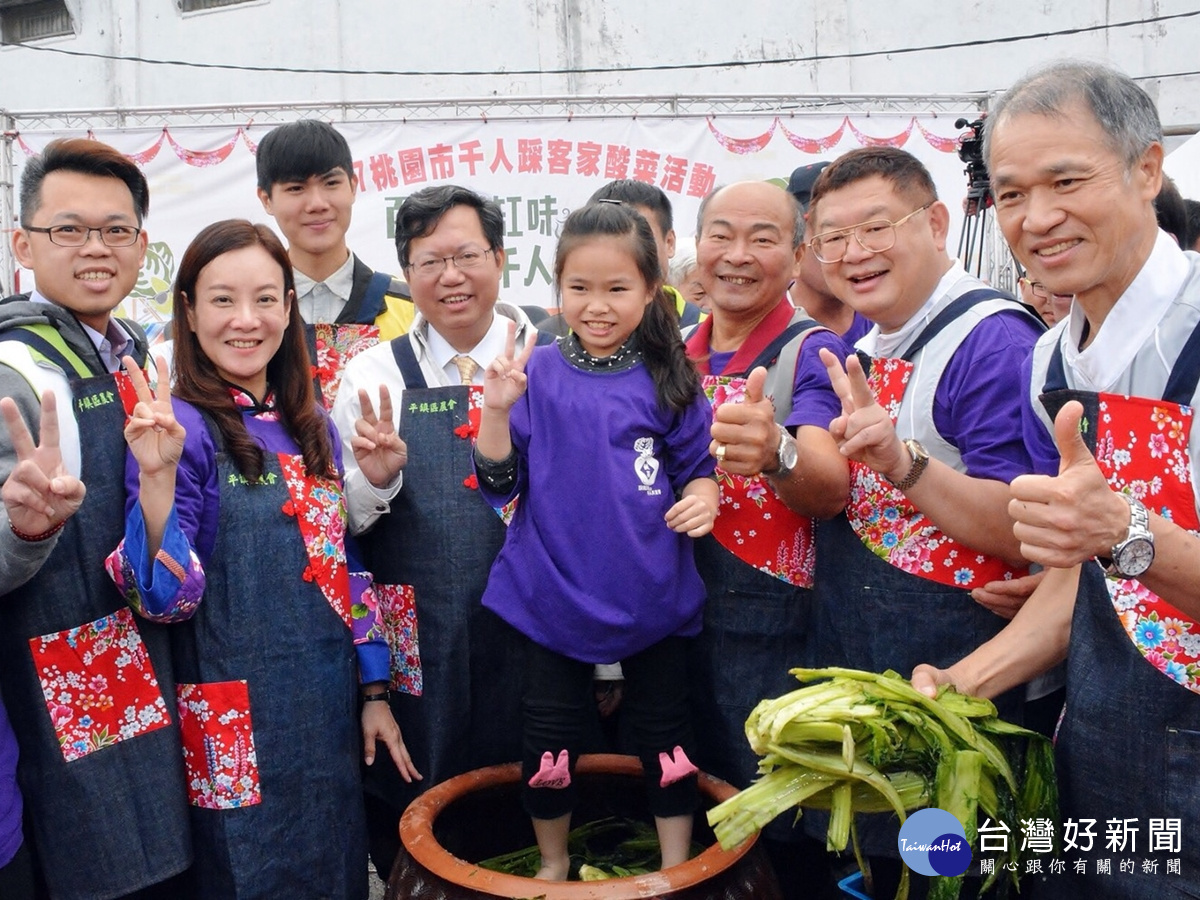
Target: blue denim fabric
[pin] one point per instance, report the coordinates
(116, 819)
(1128, 747)
(873, 616)
(262, 622)
(755, 629)
(441, 537)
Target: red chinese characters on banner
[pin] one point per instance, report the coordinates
(412, 165)
(383, 172)
(441, 161)
(587, 158)
(558, 157)
(529, 156)
(645, 166)
(533, 156)
(470, 155)
(616, 162)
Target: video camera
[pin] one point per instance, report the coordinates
(970, 151)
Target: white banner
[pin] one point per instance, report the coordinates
(537, 169)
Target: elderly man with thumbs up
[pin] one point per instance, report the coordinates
(778, 467)
(1075, 154)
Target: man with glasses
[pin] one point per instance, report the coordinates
(407, 411)
(88, 687)
(1052, 307)
(809, 291)
(933, 433)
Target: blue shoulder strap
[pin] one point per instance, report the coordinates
(406, 361)
(1181, 383)
(951, 312)
(770, 353)
(46, 342)
(690, 315)
(372, 302)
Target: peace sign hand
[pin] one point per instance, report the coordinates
(864, 431)
(40, 493)
(378, 450)
(154, 436)
(504, 379)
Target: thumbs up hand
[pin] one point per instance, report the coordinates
(864, 431)
(745, 438)
(1064, 519)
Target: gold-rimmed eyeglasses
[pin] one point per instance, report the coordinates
(876, 236)
(1036, 288)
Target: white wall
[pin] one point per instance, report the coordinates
(493, 36)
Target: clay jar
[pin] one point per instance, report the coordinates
(479, 814)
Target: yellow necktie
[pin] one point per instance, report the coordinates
(467, 368)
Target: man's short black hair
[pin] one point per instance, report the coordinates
(1171, 212)
(639, 193)
(420, 213)
(1193, 223)
(299, 150)
(85, 157)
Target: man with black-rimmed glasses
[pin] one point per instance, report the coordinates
(89, 689)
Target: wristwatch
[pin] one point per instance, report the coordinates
(920, 459)
(786, 455)
(1133, 555)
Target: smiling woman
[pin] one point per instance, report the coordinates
(239, 314)
(242, 458)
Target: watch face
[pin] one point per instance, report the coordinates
(788, 455)
(1135, 557)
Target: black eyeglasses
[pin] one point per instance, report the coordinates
(79, 235)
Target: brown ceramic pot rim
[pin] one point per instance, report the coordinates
(416, 833)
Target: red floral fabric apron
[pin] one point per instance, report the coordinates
(333, 347)
(1142, 449)
(892, 528)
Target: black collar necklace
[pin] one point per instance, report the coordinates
(626, 357)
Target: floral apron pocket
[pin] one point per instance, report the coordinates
(99, 684)
(218, 745)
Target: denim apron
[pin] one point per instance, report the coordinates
(756, 616)
(268, 696)
(871, 613)
(100, 766)
(456, 667)
(1129, 661)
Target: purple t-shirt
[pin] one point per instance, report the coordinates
(1038, 439)
(10, 796)
(589, 567)
(860, 326)
(813, 399)
(979, 402)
